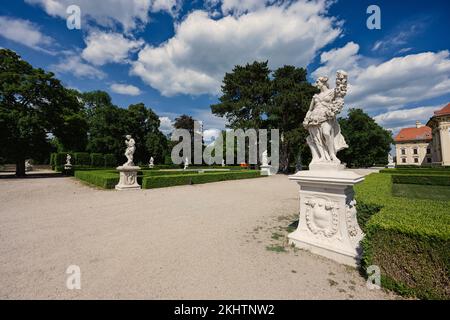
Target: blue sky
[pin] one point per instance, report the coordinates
(172, 54)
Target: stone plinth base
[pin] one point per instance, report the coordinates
(327, 223)
(390, 166)
(128, 178)
(266, 170)
(68, 167)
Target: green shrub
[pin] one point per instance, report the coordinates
(97, 160)
(160, 181)
(82, 159)
(407, 238)
(110, 160)
(434, 180)
(103, 179)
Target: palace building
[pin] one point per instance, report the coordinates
(440, 128)
(425, 144)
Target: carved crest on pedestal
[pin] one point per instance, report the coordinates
(352, 222)
(322, 217)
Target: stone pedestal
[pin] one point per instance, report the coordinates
(327, 224)
(128, 178)
(266, 170)
(390, 166)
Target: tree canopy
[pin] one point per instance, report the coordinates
(33, 106)
(368, 142)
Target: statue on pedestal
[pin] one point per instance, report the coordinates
(128, 171)
(325, 138)
(186, 163)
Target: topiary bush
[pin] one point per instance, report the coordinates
(82, 159)
(407, 238)
(110, 160)
(97, 160)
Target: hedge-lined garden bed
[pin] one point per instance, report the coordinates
(161, 181)
(409, 239)
(149, 179)
(432, 180)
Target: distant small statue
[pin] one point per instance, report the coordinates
(68, 158)
(223, 163)
(28, 165)
(151, 163)
(264, 158)
(186, 163)
(129, 152)
(391, 163)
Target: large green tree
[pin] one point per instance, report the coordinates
(291, 96)
(246, 93)
(33, 106)
(368, 142)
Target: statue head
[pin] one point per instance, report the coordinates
(322, 82)
(128, 137)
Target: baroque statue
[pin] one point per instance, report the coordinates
(325, 138)
(131, 147)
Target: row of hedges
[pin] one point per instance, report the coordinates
(409, 239)
(417, 171)
(433, 180)
(82, 159)
(161, 181)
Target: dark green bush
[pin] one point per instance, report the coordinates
(160, 181)
(97, 160)
(82, 159)
(417, 171)
(433, 180)
(407, 238)
(53, 160)
(110, 160)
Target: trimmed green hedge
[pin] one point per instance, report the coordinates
(434, 180)
(110, 160)
(409, 239)
(82, 159)
(417, 172)
(150, 182)
(101, 178)
(97, 160)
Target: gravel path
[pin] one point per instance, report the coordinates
(221, 240)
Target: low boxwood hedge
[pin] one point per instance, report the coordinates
(102, 178)
(417, 171)
(433, 180)
(160, 181)
(409, 239)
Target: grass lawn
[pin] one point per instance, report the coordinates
(419, 191)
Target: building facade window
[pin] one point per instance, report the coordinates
(403, 160)
(415, 151)
(416, 160)
(428, 150)
(429, 160)
(403, 151)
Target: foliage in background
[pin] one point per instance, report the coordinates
(368, 143)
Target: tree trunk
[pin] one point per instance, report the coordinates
(20, 168)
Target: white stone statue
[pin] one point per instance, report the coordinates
(391, 163)
(128, 172)
(325, 138)
(68, 158)
(28, 165)
(264, 159)
(151, 163)
(186, 163)
(223, 162)
(131, 147)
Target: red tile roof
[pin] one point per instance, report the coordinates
(414, 134)
(444, 111)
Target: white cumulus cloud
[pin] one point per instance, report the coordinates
(390, 84)
(73, 64)
(196, 58)
(106, 47)
(126, 89)
(25, 33)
